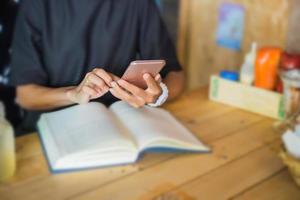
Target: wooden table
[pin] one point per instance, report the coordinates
(244, 164)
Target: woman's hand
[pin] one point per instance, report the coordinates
(134, 95)
(95, 84)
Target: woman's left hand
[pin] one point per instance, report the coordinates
(136, 96)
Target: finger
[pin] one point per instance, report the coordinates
(101, 91)
(151, 83)
(121, 92)
(115, 78)
(85, 94)
(92, 78)
(104, 75)
(119, 96)
(96, 94)
(136, 91)
(115, 94)
(158, 78)
(89, 91)
(140, 102)
(137, 103)
(90, 84)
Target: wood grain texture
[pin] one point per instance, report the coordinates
(187, 168)
(278, 187)
(220, 184)
(266, 23)
(183, 31)
(239, 140)
(293, 36)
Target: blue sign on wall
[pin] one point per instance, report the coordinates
(231, 26)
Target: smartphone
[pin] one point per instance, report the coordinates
(136, 70)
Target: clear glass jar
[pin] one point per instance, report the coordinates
(291, 92)
(7, 148)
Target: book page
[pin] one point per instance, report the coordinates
(155, 127)
(84, 129)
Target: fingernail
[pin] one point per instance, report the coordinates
(146, 76)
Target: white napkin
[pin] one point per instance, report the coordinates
(291, 142)
(297, 130)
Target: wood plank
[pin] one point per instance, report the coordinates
(98, 177)
(29, 150)
(190, 101)
(24, 150)
(197, 114)
(197, 106)
(279, 187)
(293, 37)
(183, 30)
(168, 175)
(231, 179)
(31, 157)
(198, 110)
(209, 130)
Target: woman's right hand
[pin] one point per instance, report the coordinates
(95, 84)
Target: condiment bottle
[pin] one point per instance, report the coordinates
(247, 69)
(7, 147)
(266, 67)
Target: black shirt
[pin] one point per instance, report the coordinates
(8, 10)
(57, 42)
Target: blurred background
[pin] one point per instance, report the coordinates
(198, 29)
(269, 23)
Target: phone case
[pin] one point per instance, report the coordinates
(136, 70)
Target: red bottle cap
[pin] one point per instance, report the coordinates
(290, 61)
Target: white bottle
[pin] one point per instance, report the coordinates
(7, 147)
(247, 69)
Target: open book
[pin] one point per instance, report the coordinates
(91, 135)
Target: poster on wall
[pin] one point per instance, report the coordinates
(230, 30)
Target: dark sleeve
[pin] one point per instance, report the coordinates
(154, 40)
(26, 66)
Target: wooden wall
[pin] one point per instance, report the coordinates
(293, 36)
(266, 22)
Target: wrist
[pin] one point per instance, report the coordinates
(162, 98)
(70, 94)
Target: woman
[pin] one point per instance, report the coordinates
(73, 51)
